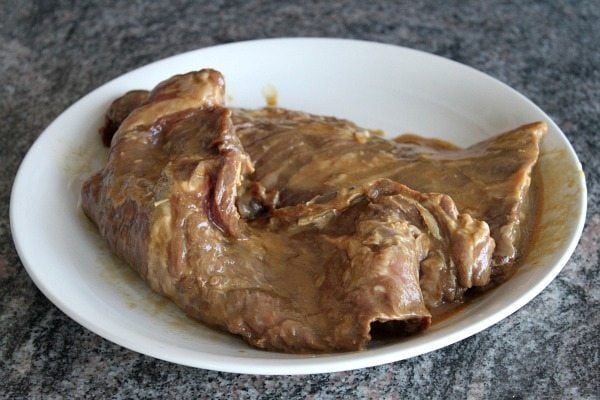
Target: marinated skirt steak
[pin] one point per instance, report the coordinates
(298, 232)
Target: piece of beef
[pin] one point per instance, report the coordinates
(313, 278)
(309, 277)
(299, 156)
(124, 198)
(118, 111)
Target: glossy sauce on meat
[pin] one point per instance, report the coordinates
(303, 233)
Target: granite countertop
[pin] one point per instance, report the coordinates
(54, 52)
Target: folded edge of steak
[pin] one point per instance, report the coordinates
(309, 277)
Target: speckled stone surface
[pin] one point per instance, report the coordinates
(52, 53)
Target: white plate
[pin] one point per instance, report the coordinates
(376, 85)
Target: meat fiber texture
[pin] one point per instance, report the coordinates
(301, 233)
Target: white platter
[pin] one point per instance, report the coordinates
(375, 85)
